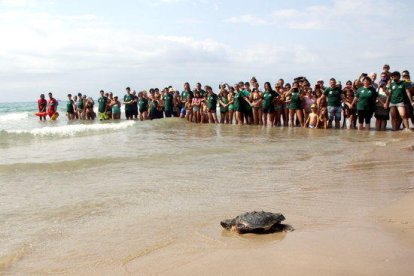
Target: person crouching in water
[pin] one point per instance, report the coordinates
(313, 118)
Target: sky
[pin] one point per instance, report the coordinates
(71, 46)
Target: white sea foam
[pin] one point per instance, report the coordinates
(72, 130)
(12, 117)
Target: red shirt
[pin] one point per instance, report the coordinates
(52, 104)
(41, 104)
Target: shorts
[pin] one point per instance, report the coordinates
(128, 114)
(168, 113)
(398, 104)
(103, 116)
(334, 113)
(212, 110)
(268, 110)
(381, 113)
(364, 115)
(248, 113)
(183, 110)
(142, 110)
(349, 111)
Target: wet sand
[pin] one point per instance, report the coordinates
(374, 240)
(349, 196)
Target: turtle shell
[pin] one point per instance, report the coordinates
(259, 220)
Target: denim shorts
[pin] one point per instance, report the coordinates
(334, 113)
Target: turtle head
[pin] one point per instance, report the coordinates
(228, 223)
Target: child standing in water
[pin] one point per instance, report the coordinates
(313, 117)
(323, 118)
(189, 110)
(196, 103)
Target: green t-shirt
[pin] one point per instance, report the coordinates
(203, 93)
(268, 98)
(168, 102)
(102, 101)
(237, 100)
(334, 96)
(366, 98)
(245, 105)
(225, 101)
(185, 95)
(127, 98)
(295, 101)
(153, 106)
(212, 101)
(398, 94)
(143, 104)
(69, 106)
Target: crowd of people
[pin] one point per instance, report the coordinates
(296, 104)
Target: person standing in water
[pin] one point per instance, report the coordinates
(102, 105)
(52, 105)
(70, 110)
(116, 108)
(185, 95)
(398, 99)
(334, 98)
(212, 100)
(128, 102)
(41, 105)
(365, 99)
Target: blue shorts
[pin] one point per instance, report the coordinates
(183, 110)
(334, 113)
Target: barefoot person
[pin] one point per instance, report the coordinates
(70, 109)
(313, 117)
(399, 95)
(116, 108)
(212, 100)
(295, 106)
(365, 99)
(102, 106)
(348, 110)
(268, 105)
(142, 106)
(334, 98)
(52, 105)
(185, 95)
(129, 102)
(41, 105)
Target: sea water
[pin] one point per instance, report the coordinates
(90, 196)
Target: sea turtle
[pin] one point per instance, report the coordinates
(256, 222)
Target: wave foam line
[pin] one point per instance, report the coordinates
(72, 130)
(12, 117)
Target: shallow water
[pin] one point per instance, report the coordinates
(130, 197)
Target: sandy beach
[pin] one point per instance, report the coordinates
(349, 196)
